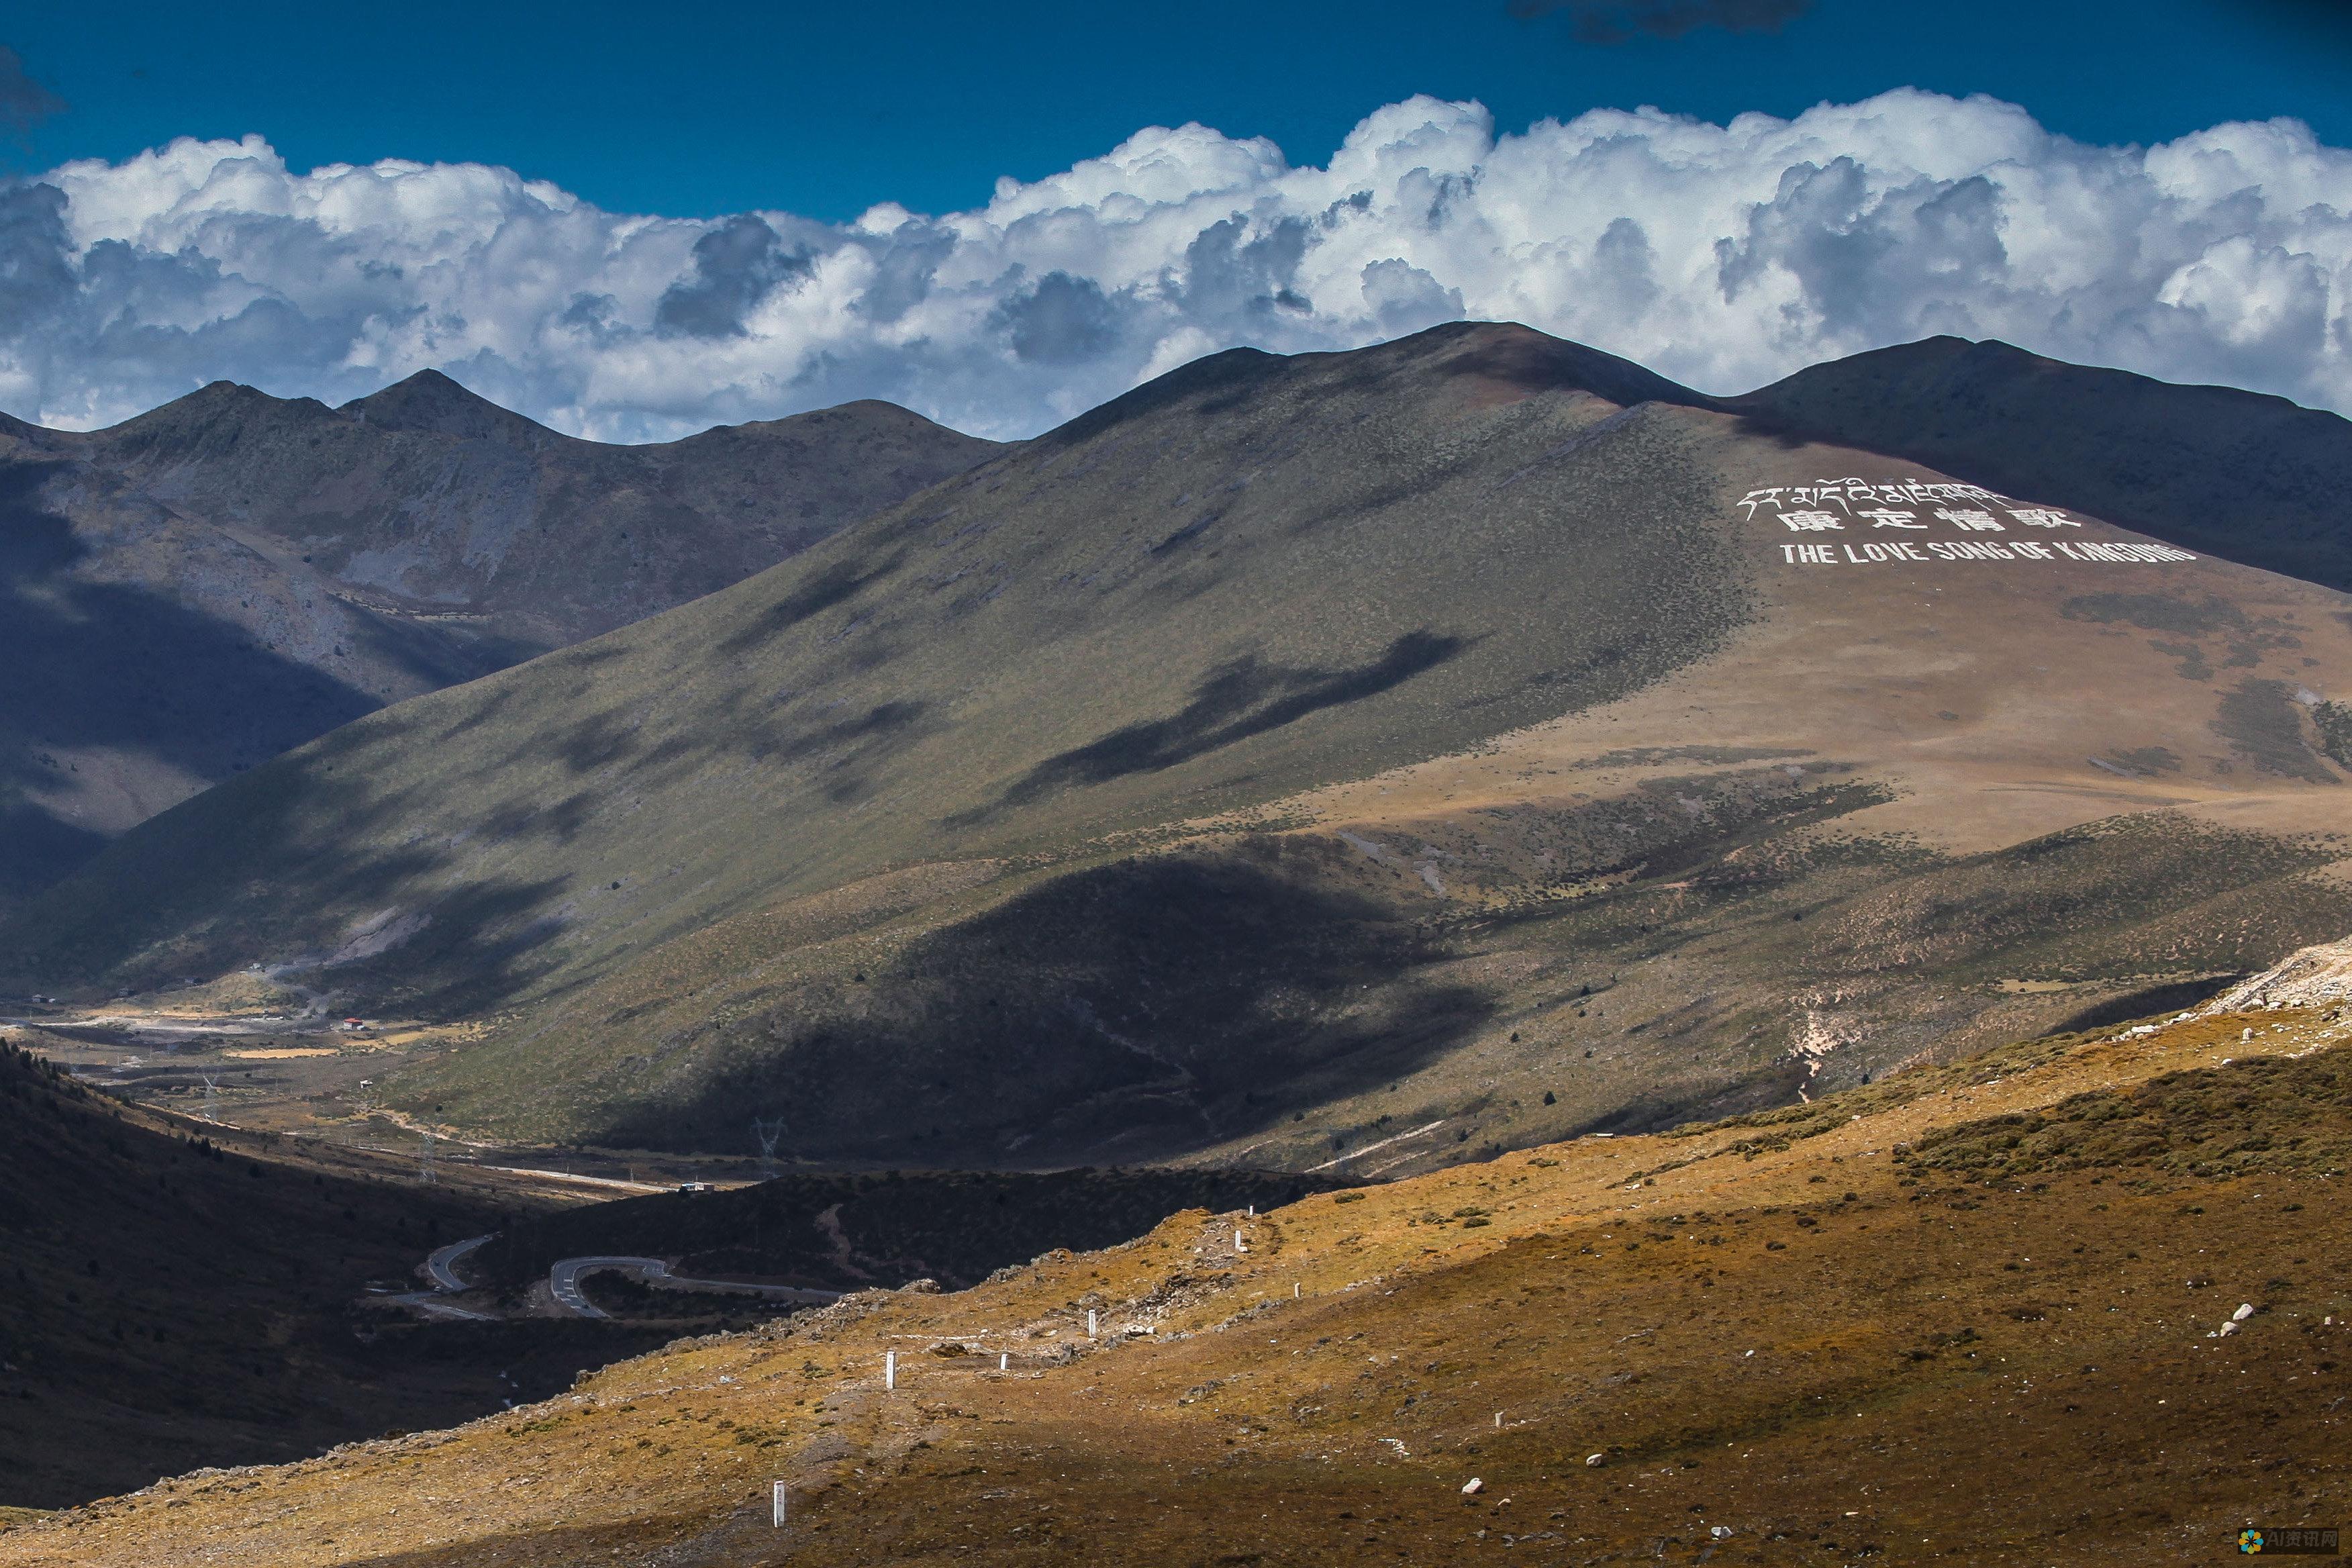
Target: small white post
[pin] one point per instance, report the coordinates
(1239, 1245)
(1253, 1211)
(780, 1505)
(1498, 1418)
(1003, 1362)
(1294, 1290)
(1090, 1322)
(889, 1369)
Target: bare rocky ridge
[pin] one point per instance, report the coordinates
(1358, 762)
(2315, 976)
(186, 594)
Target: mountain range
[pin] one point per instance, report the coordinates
(1349, 762)
(186, 594)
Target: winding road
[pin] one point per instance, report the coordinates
(564, 1282)
(441, 1269)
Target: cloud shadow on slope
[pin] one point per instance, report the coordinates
(99, 665)
(1125, 1011)
(836, 583)
(1239, 698)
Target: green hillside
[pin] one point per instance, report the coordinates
(1025, 823)
(1245, 579)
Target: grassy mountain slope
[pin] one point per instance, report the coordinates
(1359, 761)
(192, 592)
(1872, 1329)
(1247, 578)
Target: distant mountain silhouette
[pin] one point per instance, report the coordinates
(193, 591)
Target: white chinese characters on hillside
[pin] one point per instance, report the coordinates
(1877, 521)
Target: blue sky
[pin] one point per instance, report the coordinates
(699, 110)
(634, 223)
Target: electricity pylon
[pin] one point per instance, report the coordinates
(768, 1134)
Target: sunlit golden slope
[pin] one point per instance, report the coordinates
(1971, 1315)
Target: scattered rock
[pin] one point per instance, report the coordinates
(2309, 977)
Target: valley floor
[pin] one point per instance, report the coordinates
(1972, 1313)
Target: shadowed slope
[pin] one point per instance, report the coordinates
(195, 591)
(1357, 761)
(178, 1296)
(426, 499)
(1259, 579)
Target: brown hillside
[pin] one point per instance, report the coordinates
(2243, 475)
(177, 1294)
(1971, 1315)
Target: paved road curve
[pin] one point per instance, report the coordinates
(441, 1270)
(564, 1280)
(441, 1267)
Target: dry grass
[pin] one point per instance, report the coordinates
(1829, 1351)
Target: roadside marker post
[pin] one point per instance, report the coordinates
(780, 1505)
(889, 1369)
(1090, 1322)
(1003, 1363)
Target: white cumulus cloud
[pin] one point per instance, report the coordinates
(1722, 256)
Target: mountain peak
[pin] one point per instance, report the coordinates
(431, 401)
(1508, 360)
(1479, 365)
(217, 411)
